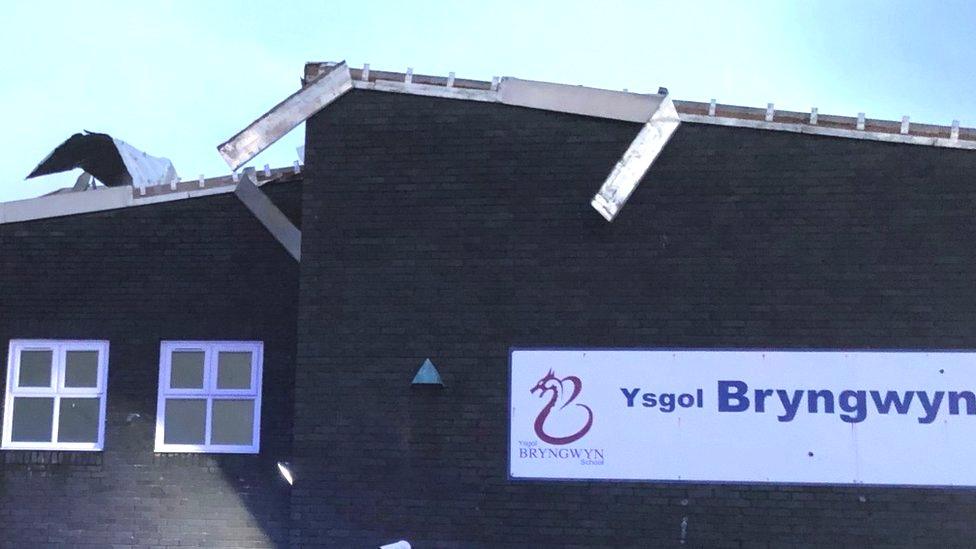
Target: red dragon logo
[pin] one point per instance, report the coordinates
(557, 386)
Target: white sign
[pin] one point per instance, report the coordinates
(905, 418)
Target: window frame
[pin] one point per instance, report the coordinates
(209, 392)
(56, 390)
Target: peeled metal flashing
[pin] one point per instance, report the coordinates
(146, 170)
(269, 215)
(284, 116)
(831, 131)
(637, 159)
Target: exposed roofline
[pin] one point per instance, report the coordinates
(331, 81)
(113, 198)
(814, 123)
(585, 101)
(766, 118)
(618, 105)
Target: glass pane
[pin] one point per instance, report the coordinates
(78, 420)
(33, 419)
(35, 369)
(186, 370)
(185, 421)
(81, 369)
(233, 422)
(234, 370)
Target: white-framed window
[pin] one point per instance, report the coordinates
(209, 397)
(55, 397)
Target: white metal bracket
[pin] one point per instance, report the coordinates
(269, 215)
(281, 119)
(637, 159)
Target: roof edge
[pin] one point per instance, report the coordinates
(813, 123)
(114, 198)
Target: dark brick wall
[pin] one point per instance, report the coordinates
(456, 230)
(194, 269)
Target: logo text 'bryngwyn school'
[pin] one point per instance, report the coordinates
(562, 392)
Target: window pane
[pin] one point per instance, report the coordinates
(35, 369)
(234, 370)
(78, 420)
(32, 419)
(81, 369)
(186, 370)
(233, 422)
(185, 421)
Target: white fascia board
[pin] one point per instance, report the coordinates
(285, 116)
(616, 105)
(636, 160)
(181, 195)
(101, 199)
(829, 131)
(57, 205)
(430, 90)
(630, 107)
(273, 219)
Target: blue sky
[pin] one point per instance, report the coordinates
(176, 78)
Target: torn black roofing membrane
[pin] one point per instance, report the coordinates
(112, 161)
(95, 153)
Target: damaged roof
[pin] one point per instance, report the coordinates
(579, 100)
(767, 118)
(111, 198)
(112, 161)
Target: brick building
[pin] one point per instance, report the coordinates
(441, 219)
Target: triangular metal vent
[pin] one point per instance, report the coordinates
(428, 375)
